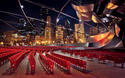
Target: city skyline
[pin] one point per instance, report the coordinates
(29, 17)
(34, 11)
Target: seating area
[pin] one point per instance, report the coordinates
(48, 63)
(60, 62)
(7, 53)
(4, 50)
(101, 55)
(32, 61)
(56, 59)
(77, 62)
(16, 59)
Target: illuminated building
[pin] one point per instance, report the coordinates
(1, 38)
(25, 27)
(67, 33)
(8, 38)
(67, 26)
(12, 38)
(43, 16)
(27, 39)
(48, 31)
(79, 33)
(37, 40)
(76, 31)
(42, 40)
(59, 34)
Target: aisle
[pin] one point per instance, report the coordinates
(105, 71)
(3, 68)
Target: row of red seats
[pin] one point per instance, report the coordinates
(4, 56)
(93, 53)
(16, 59)
(4, 51)
(48, 63)
(32, 61)
(63, 63)
(34, 48)
(77, 62)
(101, 55)
(105, 55)
(49, 47)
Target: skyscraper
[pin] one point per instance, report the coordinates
(76, 31)
(79, 33)
(59, 34)
(67, 33)
(48, 31)
(67, 26)
(43, 17)
(25, 27)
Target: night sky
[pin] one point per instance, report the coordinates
(33, 11)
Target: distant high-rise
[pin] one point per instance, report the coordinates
(59, 34)
(22, 24)
(67, 27)
(76, 31)
(25, 27)
(43, 15)
(79, 33)
(37, 40)
(48, 30)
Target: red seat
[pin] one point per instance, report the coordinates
(47, 62)
(32, 61)
(74, 61)
(16, 59)
(61, 62)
